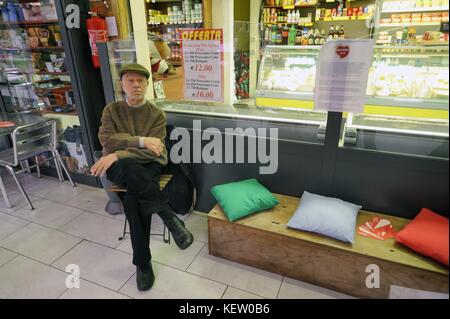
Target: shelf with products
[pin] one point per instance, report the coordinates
(28, 23)
(50, 73)
(409, 24)
(59, 113)
(301, 36)
(294, 15)
(398, 6)
(289, 3)
(308, 24)
(175, 12)
(422, 9)
(345, 10)
(345, 18)
(49, 89)
(166, 18)
(420, 20)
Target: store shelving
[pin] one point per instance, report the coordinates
(51, 73)
(347, 18)
(420, 9)
(410, 24)
(417, 24)
(28, 23)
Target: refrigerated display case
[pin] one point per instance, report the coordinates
(287, 74)
(404, 76)
(407, 93)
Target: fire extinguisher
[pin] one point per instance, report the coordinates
(97, 31)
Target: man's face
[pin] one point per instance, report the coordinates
(134, 85)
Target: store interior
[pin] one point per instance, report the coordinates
(390, 156)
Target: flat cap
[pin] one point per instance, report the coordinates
(134, 67)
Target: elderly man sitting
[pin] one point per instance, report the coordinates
(132, 135)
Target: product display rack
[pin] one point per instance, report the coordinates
(36, 77)
(164, 22)
(318, 20)
(412, 22)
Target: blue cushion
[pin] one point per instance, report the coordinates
(326, 216)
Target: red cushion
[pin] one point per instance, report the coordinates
(427, 234)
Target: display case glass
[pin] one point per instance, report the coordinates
(407, 106)
(407, 76)
(407, 95)
(34, 73)
(310, 125)
(288, 72)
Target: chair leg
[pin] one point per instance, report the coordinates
(124, 230)
(5, 195)
(27, 165)
(24, 194)
(38, 169)
(63, 165)
(166, 235)
(58, 167)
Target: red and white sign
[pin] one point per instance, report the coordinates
(203, 64)
(377, 228)
(342, 51)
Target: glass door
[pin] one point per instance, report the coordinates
(34, 75)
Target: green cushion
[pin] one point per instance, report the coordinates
(240, 199)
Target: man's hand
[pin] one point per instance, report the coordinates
(154, 144)
(102, 165)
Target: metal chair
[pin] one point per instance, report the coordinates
(164, 179)
(30, 141)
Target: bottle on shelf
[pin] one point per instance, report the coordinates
(299, 36)
(342, 32)
(317, 37)
(267, 35)
(285, 35)
(331, 33)
(274, 35)
(336, 33)
(292, 35)
(305, 36)
(311, 38)
(280, 35)
(323, 39)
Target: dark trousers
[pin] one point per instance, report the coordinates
(142, 199)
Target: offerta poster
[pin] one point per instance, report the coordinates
(342, 75)
(203, 64)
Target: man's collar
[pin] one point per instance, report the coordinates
(135, 106)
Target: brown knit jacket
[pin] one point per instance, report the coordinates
(122, 125)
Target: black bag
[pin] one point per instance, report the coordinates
(180, 190)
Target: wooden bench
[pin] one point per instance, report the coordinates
(263, 241)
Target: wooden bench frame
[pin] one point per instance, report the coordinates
(263, 241)
(163, 180)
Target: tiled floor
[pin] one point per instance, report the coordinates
(69, 227)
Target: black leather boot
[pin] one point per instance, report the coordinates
(145, 277)
(183, 238)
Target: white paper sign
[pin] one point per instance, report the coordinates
(203, 64)
(342, 75)
(111, 25)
